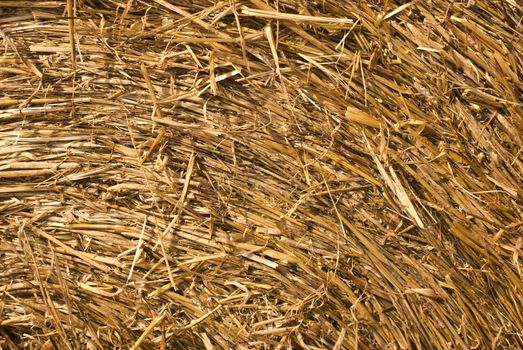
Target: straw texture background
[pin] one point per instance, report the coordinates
(281, 174)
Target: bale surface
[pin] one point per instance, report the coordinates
(261, 174)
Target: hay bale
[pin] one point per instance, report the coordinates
(258, 175)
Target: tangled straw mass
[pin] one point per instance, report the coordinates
(248, 174)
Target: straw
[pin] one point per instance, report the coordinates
(261, 174)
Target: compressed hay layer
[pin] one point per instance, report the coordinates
(261, 175)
